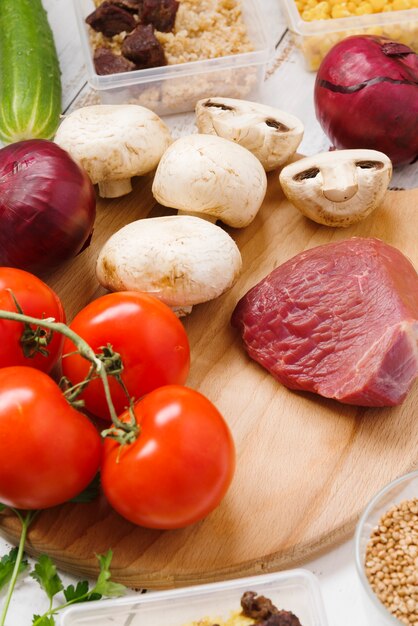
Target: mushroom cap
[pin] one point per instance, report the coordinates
(337, 188)
(182, 260)
(272, 135)
(212, 176)
(114, 142)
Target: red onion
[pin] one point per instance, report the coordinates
(366, 96)
(47, 205)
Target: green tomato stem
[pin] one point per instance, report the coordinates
(130, 431)
(83, 347)
(25, 521)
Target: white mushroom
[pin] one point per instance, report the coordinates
(182, 260)
(273, 136)
(337, 188)
(113, 143)
(211, 177)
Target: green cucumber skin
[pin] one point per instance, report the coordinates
(30, 77)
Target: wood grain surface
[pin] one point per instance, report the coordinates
(306, 465)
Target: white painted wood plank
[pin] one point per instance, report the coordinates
(62, 20)
(274, 19)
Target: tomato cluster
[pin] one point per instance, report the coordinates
(179, 466)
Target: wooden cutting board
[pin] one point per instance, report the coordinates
(306, 465)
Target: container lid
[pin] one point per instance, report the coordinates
(294, 590)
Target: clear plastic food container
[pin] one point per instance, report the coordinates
(176, 88)
(404, 488)
(317, 37)
(295, 590)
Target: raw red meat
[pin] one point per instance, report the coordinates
(340, 320)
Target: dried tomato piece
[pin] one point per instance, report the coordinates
(110, 19)
(143, 48)
(106, 62)
(160, 13)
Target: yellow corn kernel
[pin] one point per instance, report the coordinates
(400, 5)
(377, 5)
(374, 30)
(395, 33)
(407, 39)
(321, 11)
(365, 8)
(339, 11)
(315, 61)
(324, 5)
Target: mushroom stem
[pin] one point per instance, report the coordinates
(181, 311)
(339, 181)
(115, 188)
(203, 216)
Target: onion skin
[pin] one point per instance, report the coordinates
(47, 206)
(366, 96)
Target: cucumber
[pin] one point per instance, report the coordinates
(30, 77)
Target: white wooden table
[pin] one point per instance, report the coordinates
(289, 87)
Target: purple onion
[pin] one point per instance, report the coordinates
(47, 206)
(366, 96)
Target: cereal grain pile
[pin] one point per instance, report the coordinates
(392, 561)
(205, 29)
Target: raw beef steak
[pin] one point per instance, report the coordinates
(340, 320)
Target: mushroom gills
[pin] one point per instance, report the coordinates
(272, 135)
(337, 188)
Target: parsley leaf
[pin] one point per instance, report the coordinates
(43, 620)
(7, 563)
(73, 594)
(45, 573)
(80, 593)
(104, 586)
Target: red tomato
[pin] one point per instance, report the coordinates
(50, 452)
(178, 469)
(36, 299)
(145, 332)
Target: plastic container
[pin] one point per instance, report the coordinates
(176, 88)
(295, 590)
(317, 37)
(404, 488)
